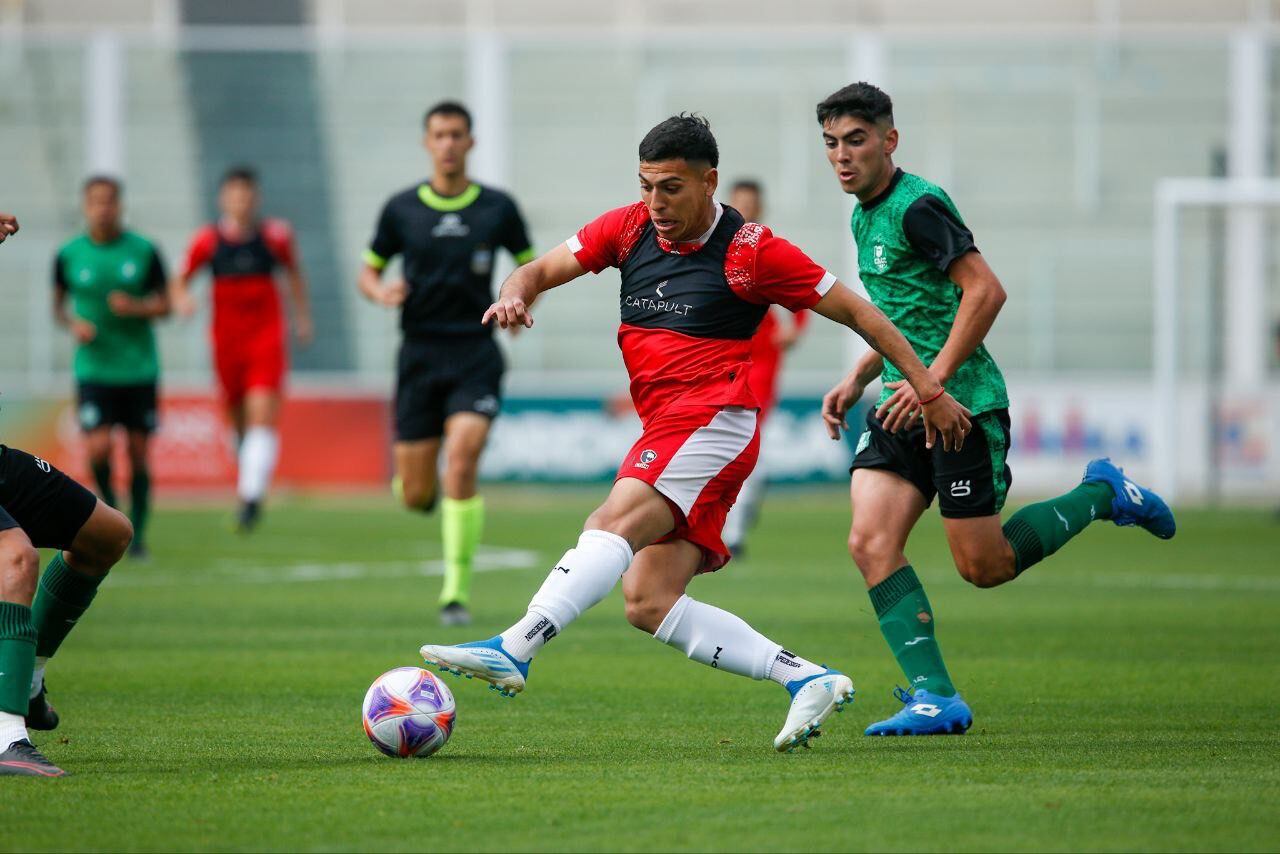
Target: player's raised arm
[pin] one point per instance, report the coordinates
(941, 413)
(527, 282)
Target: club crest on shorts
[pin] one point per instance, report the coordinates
(646, 456)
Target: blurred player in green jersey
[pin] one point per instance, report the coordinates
(108, 288)
(919, 264)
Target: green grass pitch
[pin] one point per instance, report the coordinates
(1125, 694)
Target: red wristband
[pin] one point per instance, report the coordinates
(941, 392)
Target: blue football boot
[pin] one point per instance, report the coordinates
(1132, 505)
(925, 714)
(486, 659)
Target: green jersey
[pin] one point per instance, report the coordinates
(907, 238)
(123, 352)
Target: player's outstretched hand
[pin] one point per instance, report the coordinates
(509, 313)
(837, 403)
(183, 303)
(945, 418)
(8, 225)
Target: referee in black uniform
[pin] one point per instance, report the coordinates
(449, 373)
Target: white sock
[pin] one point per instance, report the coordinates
(37, 675)
(717, 638)
(788, 667)
(12, 728)
(257, 461)
(745, 509)
(581, 578)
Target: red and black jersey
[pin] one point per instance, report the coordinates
(245, 296)
(689, 310)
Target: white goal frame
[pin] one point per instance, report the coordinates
(1171, 196)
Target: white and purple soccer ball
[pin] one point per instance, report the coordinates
(408, 712)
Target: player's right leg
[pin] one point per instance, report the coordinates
(19, 569)
(654, 590)
(97, 444)
(886, 506)
(633, 516)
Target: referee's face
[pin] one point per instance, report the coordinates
(447, 140)
(679, 197)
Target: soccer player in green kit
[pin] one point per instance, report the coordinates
(115, 282)
(920, 266)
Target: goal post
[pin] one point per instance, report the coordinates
(1245, 196)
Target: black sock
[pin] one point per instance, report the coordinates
(139, 502)
(102, 476)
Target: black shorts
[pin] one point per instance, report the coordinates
(132, 407)
(442, 376)
(973, 481)
(34, 496)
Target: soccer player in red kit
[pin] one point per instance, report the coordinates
(696, 281)
(777, 333)
(248, 334)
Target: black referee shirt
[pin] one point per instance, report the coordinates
(448, 245)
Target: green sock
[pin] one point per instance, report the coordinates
(102, 477)
(1038, 530)
(139, 501)
(461, 522)
(63, 596)
(906, 621)
(17, 657)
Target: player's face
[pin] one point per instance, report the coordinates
(447, 140)
(678, 195)
(102, 208)
(860, 152)
(238, 200)
(747, 203)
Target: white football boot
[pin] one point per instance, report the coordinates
(812, 701)
(486, 659)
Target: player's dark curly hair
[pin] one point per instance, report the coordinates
(859, 100)
(686, 136)
(448, 108)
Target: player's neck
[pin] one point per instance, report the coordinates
(701, 227)
(449, 185)
(237, 225)
(108, 234)
(881, 185)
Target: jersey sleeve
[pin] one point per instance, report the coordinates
(386, 243)
(59, 274)
(935, 232)
(763, 268)
(607, 240)
(278, 236)
(157, 278)
(200, 251)
(514, 236)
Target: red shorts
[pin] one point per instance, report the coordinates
(697, 457)
(257, 360)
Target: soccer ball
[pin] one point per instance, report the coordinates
(408, 712)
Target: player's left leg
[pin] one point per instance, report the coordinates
(259, 449)
(69, 584)
(654, 591)
(139, 490)
(972, 486)
(461, 510)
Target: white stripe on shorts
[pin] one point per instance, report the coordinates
(705, 454)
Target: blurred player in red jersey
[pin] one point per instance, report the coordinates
(697, 279)
(778, 332)
(248, 332)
